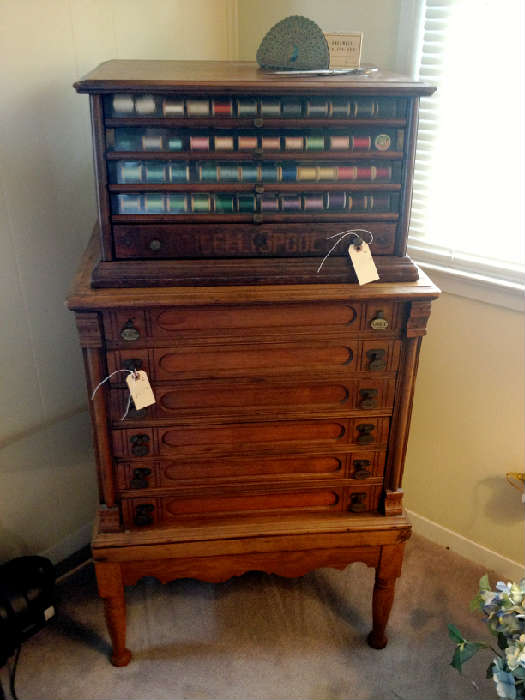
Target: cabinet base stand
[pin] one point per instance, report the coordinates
(214, 550)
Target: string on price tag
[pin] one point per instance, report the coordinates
(139, 389)
(358, 252)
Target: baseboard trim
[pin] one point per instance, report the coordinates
(509, 569)
(71, 544)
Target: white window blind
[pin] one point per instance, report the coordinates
(468, 179)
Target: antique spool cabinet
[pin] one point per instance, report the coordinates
(282, 393)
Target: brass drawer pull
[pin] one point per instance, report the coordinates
(155, 245)
(257, 218)
(133, 364)
(139, 445)
(379, 322)
(364, 430)
(129, 333)
(140, 478)
(361, 469)
(368, 399)
(144, 514)
(376, 360)
(357, 502)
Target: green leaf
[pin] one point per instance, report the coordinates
(456, 659)
(470, 649)
(484, 584)
(502, 641)
(476, 603)
(455, 634)
(519, 672)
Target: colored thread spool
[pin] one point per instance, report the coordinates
(307, 172)
(176, 203)
(222, 107)
(250, 173)
(339, 143)
(200, 202)
(129, 172)
(197, 108)
(199, 143)
(208, 172)
(151, 142)
(154, 203)
(123, 104)
(247, 107)
(336, 200)
(382, 142)
(339, 108)
(291, 202)
(364, 109)
(246, 143)
(314, 142)
(126, 140)
(291, 108)
(130, 204)
(271, 143)
(246, 203)
(224, 203)
(229, 173)
(269, 202)
(155, 172)
(173, 108)
(383, 172)
(380, 201)
(175, 143)
(347, 172)
(364, 172)
(313, 201)
(293, 143)
(288, 172)
(270, 107)
(145, 104)
(223, 143)
(316, 108)
(269, 172)
(361, 143)
(327, 172)
(179, 172)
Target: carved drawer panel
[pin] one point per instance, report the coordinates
(271, 437)
(148, 512)
(147, 474)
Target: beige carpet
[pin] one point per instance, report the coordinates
(260, 636)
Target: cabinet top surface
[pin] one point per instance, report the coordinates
(229, 76)
(83, 297)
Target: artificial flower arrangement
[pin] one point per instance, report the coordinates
(504, 611)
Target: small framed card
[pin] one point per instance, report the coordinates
(345, 49)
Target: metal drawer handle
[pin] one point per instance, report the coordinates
(139, 445)
(368, 399)
(144, 514)
(140, 478)
(155, 244)
(376, 360)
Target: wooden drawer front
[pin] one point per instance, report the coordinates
(217, 397)
(246, 438)
(192, 241)
(148, 512)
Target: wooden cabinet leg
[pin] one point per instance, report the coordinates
(388, 569)
(111, 589)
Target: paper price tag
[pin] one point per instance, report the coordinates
(140, 389)
(364, 266)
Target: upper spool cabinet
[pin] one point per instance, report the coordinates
(219, 173)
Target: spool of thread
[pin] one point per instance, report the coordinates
(336, 200)
(129, 172)
(246, 143)
(339, 108)
(271, 143)
(246, 203)
(145, 104)
(288, 172)
(307, 173)
(361, 143)
(176, 203)
(229, 172)
(200, 203)
(246, 107)
(175, 143)
(208, 172)
(339, 143)
(123, 104)
(327, 172)
(316, 107)
(269, 202)
(347, 172)
(197, 108)
(172, 108)
(270, 107)
(382, 142)
(291, 202)
(314, 200)
(380, 201)
(364, 108)
(130, 204)
(383, 172)
(222, 107)
(155, 172)
(269, 172)
(126, 140)
(224, 203)
(154, 203)
(152, 142)
(179, 172)
(223, 143)
(291, 108)
(364, 172)
(250, 173)
(199, 143)
(314, 142)
(293, 143)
